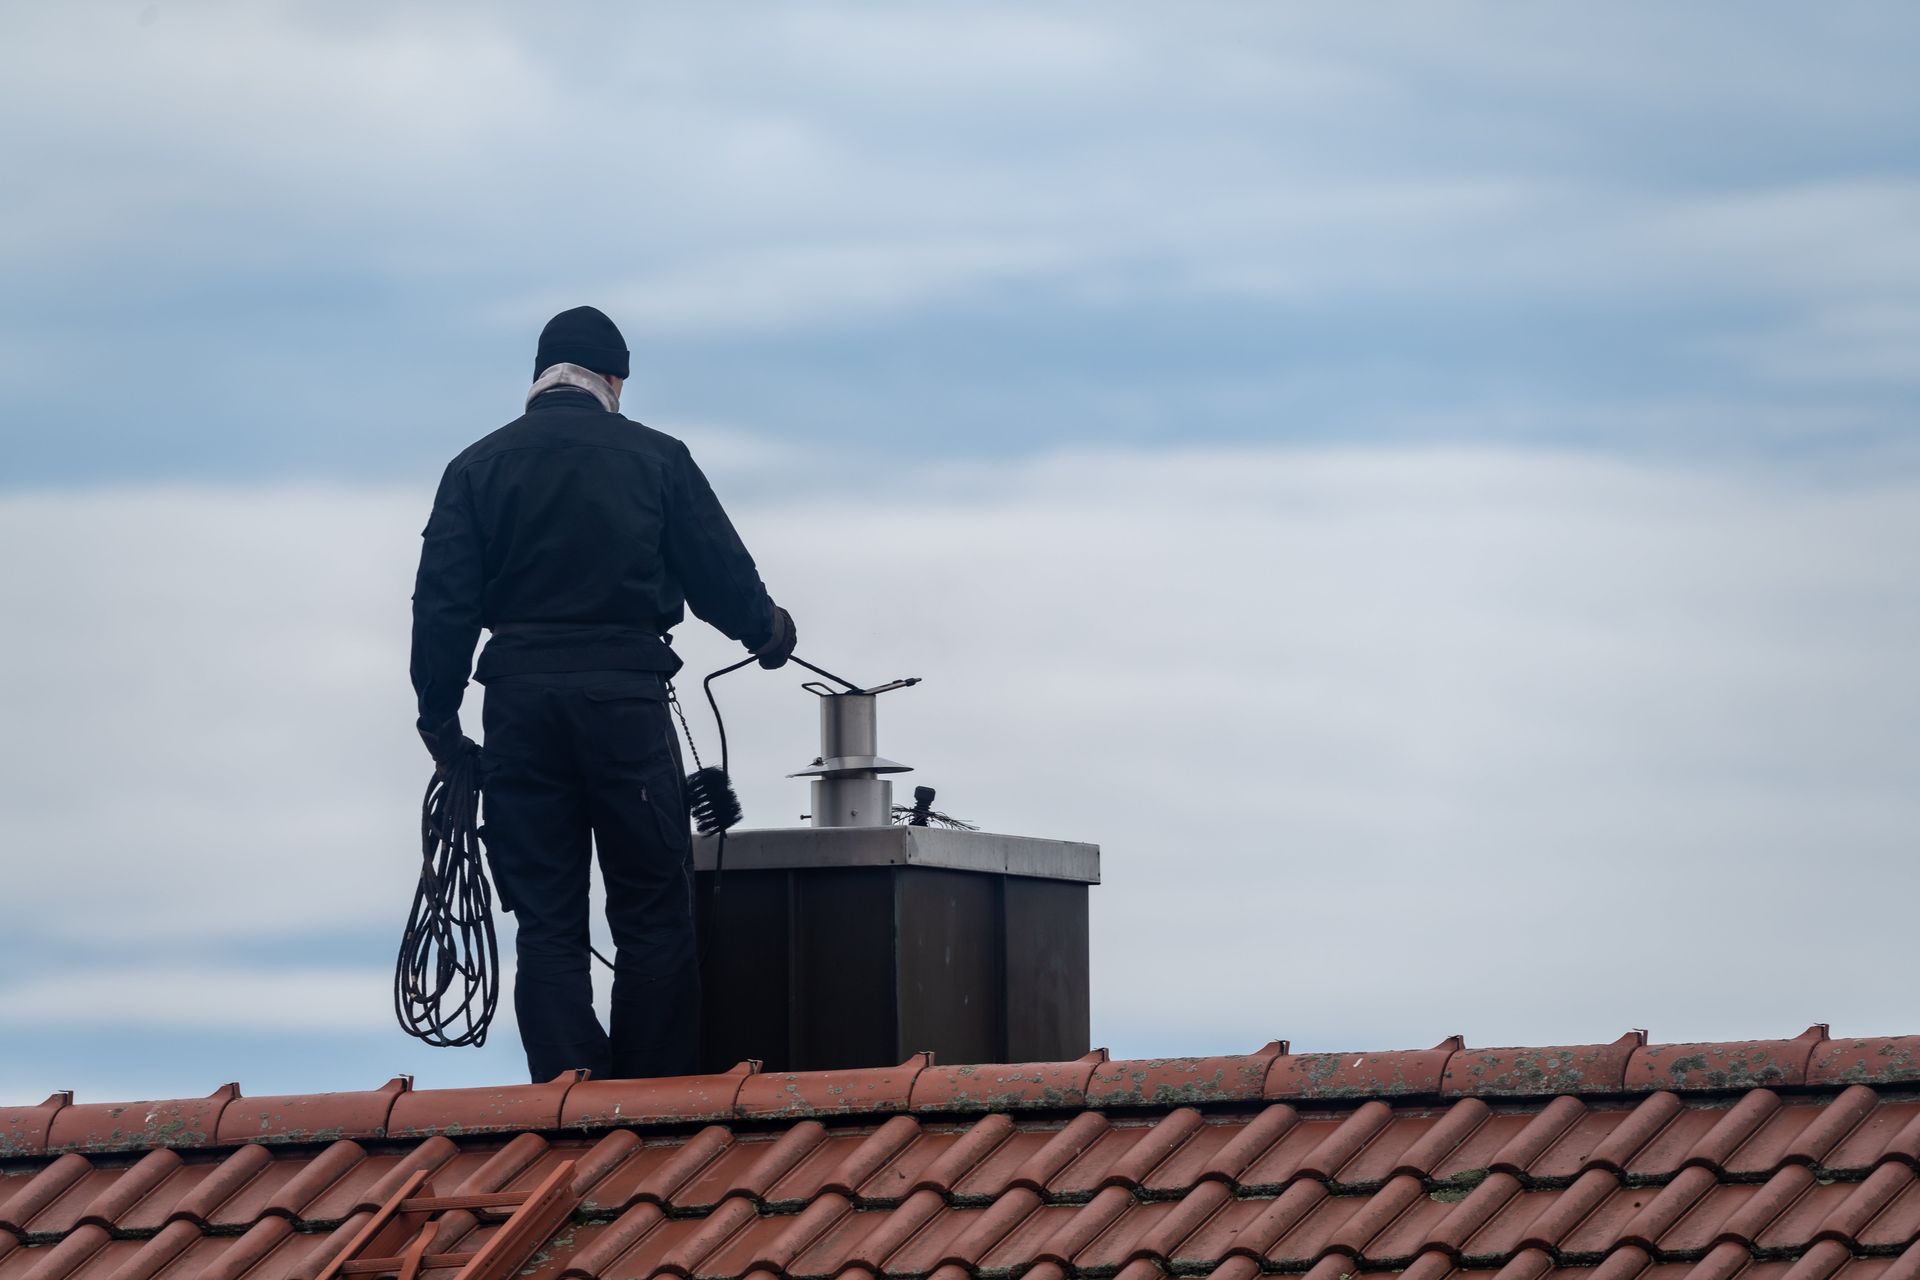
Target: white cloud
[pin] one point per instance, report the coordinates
(1867, 344)
(847, 161)
(1380, 746)
(812, 285)
(203, 998)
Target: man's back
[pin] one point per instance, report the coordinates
(578, 537)
(572, 503)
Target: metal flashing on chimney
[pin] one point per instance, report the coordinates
(794, 848)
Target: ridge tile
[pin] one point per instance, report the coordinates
(513, 1108)
(1055, 1085)
(139, 1126)
(24, 1130)
(1389, 1074)
(824, 1093)
(1175, 1082)
(310, 1117)
(1879, 1060)
(1582, 1068)
(1738, 1064)
(603, 1104)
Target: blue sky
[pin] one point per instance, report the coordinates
(1479, 440)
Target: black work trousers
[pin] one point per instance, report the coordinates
(573, 761)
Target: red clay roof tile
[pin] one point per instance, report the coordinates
(1324, 1147)
(1047, 1161)
(595, 1104)
(210, 1186)
(1556, 1217)
(1171, 1166)
(1820, 1261)
(34, 1192)
(1471, 1215)
(1507, 1229)
(1895, 1225)
(1747, 1219)
(1831, 1124)
(1793, 1134)
(994, 1171)
(137, 1126)
(998, 1088)
(69, 1209)
(1740, 1065)
(1207, 1152)
(24, 1130)
(1660, 1209)
(1152, 1145)
(1429, 1266)
(513, 1108)
(1570, 1069)
(1862, 1205)
(297, 1186)
(367, 1183)
(1643, 1138)
(114, 1206)
(811, 1093)
(656, 1174)
(609, 1153)
(1528, 1264)
(1334, 1266)
(1880, 1060)
(1164, 1082)
(312, 1117)
(1163, 1244)
(1361, 1075)
(846, 1167)
(1537, 1132)
(158, 1252)
(1412, 1232)
(597, 1248)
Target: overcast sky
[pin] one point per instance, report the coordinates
(1432, 489)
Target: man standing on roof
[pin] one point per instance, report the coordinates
(575, 536)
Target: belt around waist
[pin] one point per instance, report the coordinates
(560, 630)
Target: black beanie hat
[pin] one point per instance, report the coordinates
(582, 336)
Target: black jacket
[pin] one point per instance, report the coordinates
(576, 536)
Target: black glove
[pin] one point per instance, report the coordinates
(447, 745)
(778, 647)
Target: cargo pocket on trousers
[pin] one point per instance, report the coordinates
(626, 719)
(666, 800)
(500, 893)
(646, 744)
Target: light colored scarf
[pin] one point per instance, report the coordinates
(572, 375)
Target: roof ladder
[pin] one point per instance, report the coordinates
(394, 1243)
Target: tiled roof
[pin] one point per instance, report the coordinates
(1771, 1160)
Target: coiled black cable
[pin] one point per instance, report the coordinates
(446, 982)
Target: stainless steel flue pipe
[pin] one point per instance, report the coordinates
(849, 789)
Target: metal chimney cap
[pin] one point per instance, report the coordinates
(852, 764)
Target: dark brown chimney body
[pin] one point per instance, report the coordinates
(857, 946)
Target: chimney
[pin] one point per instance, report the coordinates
(875, 932)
